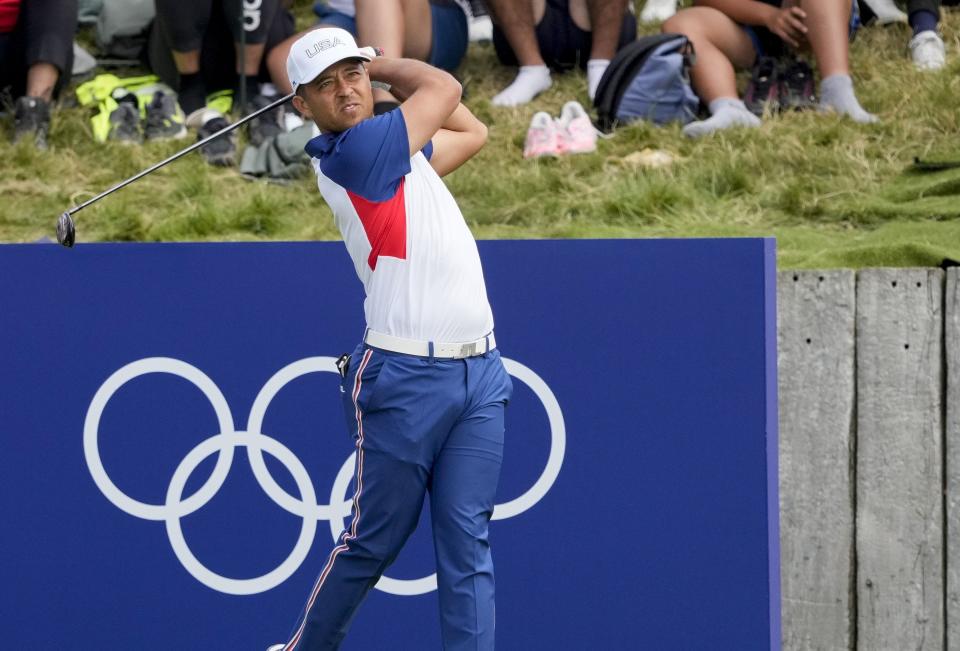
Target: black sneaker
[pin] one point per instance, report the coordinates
(266, 125)
(796, 87)
(223, 150)
(763, 91)
(164, 118)
(125, 121)
(31, 119)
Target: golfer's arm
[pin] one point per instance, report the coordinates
(745, 12)
(460, 137)
(432, 95)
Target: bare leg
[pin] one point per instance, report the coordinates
(721, 45)
(401, 27)
(187, 63)
(828, 25)
(518, 20)
(252, 56)
(41, 78)
(606, 20)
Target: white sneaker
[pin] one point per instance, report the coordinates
(577, 133)
(928, 51)
(277, 647)
(542, 137)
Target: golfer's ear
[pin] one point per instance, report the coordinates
(302, 107)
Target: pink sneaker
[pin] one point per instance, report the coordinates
(578, 136)
(542, 137)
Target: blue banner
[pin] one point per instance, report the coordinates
(176, 464)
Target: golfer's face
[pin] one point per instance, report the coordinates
(339, 97)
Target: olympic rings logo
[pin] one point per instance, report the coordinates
(176, 506)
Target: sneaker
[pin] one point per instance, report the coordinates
(542, 137)
(31, 119)
(763, 90)
(928, 51)
(266, 125)
(125, 121)
(164, 118)
(277, 647)
(576, 133)
(221, 151)
(796, 87)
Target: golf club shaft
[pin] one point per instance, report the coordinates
(183, 152)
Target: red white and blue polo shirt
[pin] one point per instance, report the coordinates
(407, 238)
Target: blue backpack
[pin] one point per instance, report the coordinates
(648, 80)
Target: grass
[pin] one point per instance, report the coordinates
(835, 194)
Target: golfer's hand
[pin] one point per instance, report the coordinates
(789, 24)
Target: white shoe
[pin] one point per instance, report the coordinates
(277, 647)
(543, 137)
(886, 12)
(928, 51)
(656, 11)
(577, 134)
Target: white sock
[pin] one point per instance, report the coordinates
(725, 112)
(655, 11)
(836, 94)
(595, 70)
(530, 82)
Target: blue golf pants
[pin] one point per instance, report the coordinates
(420, 425)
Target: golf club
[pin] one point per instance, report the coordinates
(66, 230)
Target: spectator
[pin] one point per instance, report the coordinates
(434, 31)
(926, 46)
(36, 56)
(210, 53)
(539, 35)
(730, 34)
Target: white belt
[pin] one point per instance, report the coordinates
(430, 348)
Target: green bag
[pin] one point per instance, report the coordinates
(281, 156)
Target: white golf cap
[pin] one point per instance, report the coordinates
(316, 51)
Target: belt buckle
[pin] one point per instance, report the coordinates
(468, 350)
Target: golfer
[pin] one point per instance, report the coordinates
(426, 390)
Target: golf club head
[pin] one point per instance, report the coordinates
(66, 232)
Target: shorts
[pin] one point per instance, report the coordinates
(765, 42)
(768, 44)
(448, 41)
(563, 45)
(217, 52)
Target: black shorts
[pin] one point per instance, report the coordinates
(563, 45)
(217, 51)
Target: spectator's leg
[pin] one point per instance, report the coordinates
(255, 20)
(606, 23)
(517, 19)
(183, 23)
(721, 45)
(402, 28)
(49, 27)
(41, 80)
(828, 33)
(926, 47)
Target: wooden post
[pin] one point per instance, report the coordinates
(899, 487)
(817, 397)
